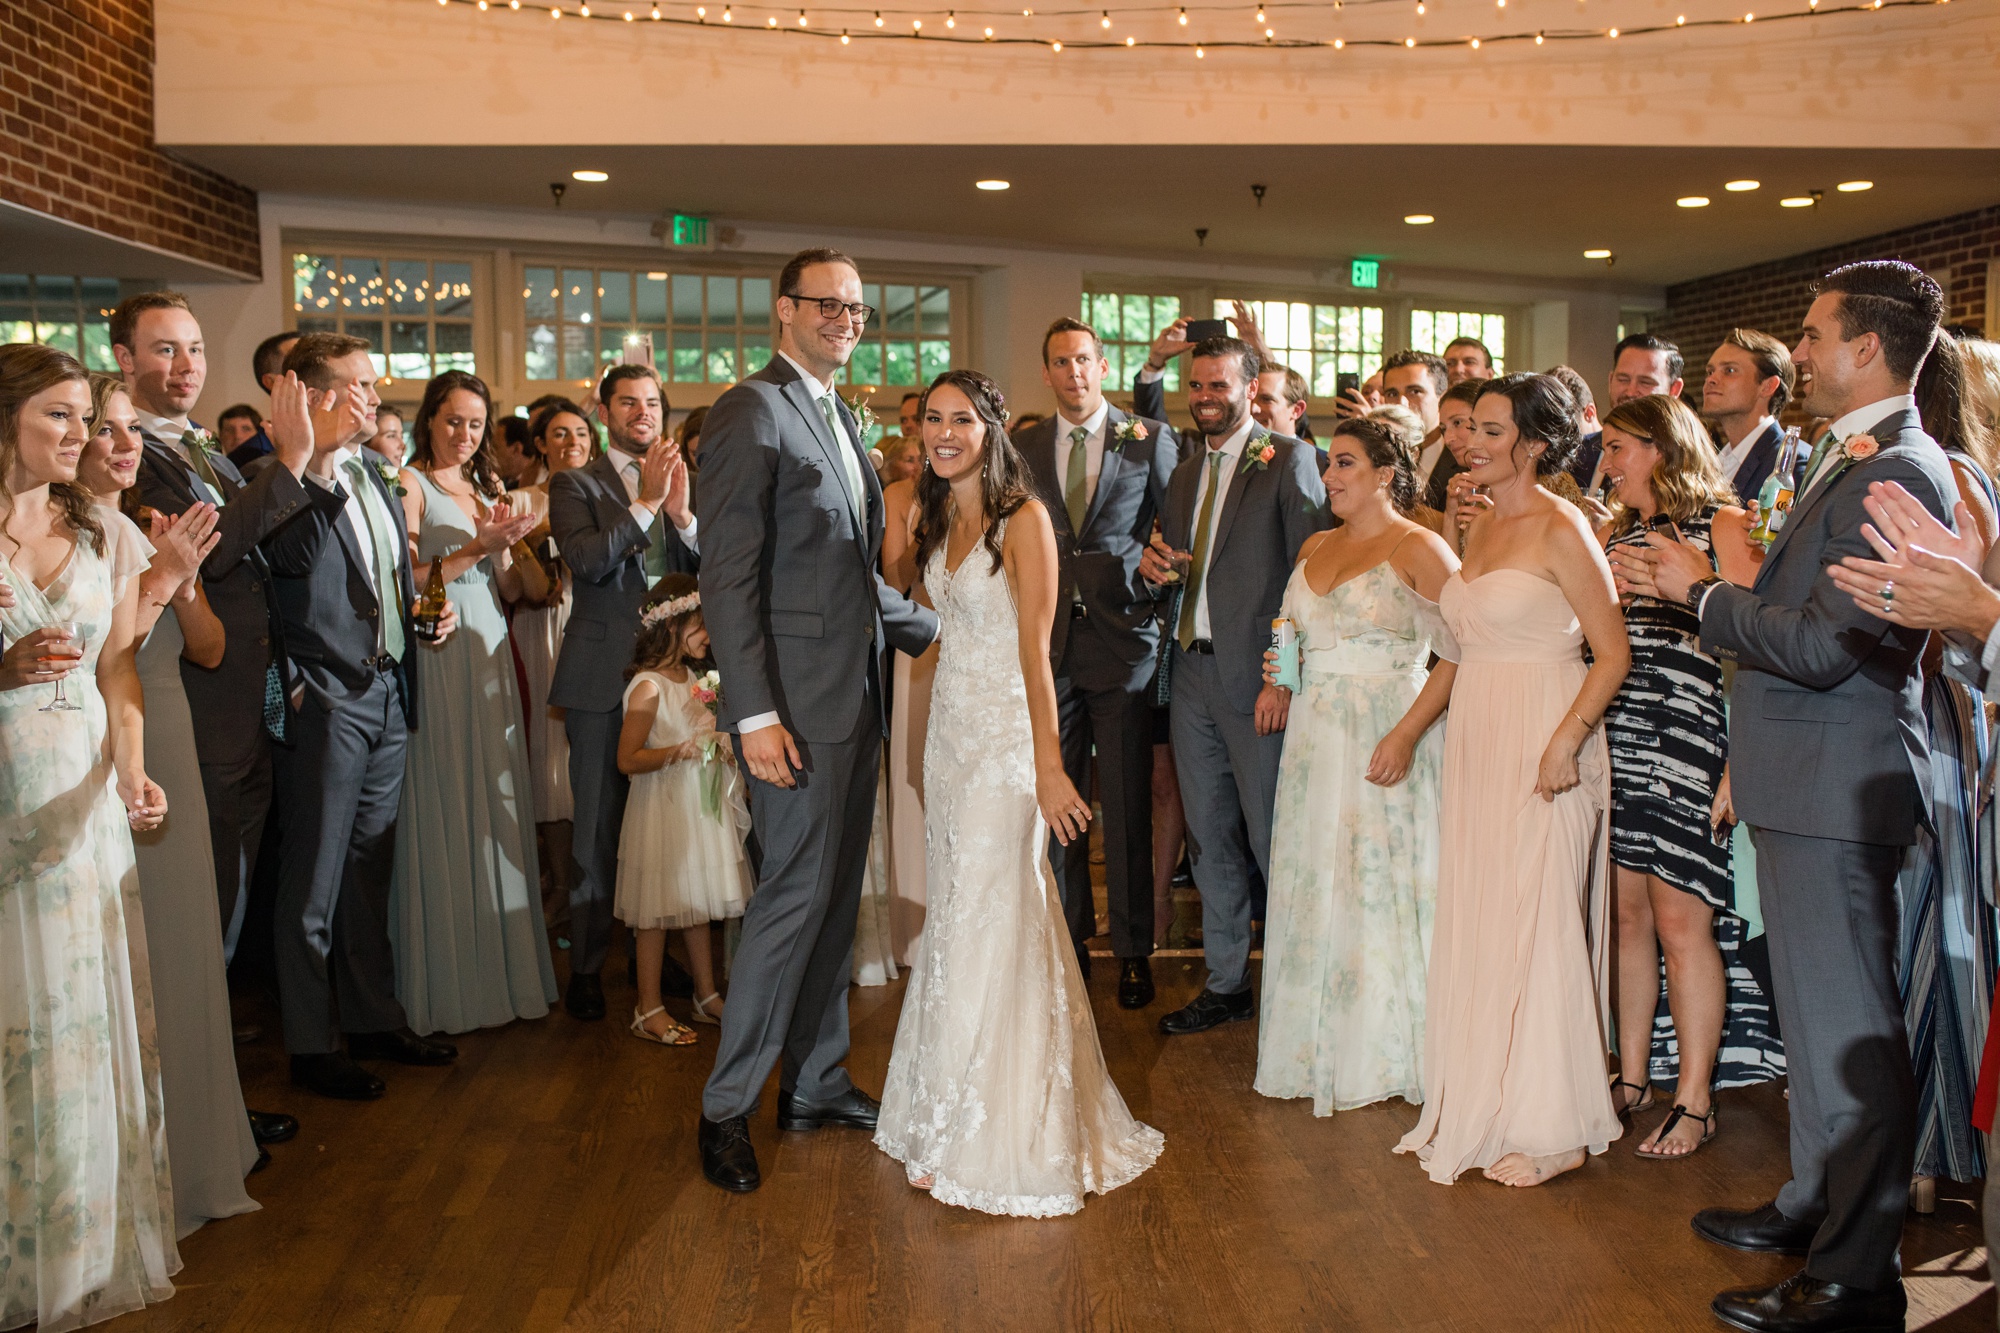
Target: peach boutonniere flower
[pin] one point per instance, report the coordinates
(1258, 454)
(1859, 448)
(1131, 428)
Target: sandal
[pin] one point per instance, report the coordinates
(1674, 1117)
(675, 1035)
(1641, 1102)
(701, 1014)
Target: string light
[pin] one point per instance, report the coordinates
(1200, 54)
(1260, 14)
(1058, 48)
(656, 13)
(1183, 18)
(628, 16)
(555, 13)
(770, 20)
(1131, 41)
(916, 25)
(727, 15)
(1538, 39)
(1409, 42)
(951, 18)
(1614, 32)
(802, 18)
(1105, 22)
(878, 18)
(989, 34)
(1420, 8)
(482, 6)
(1339, 45)
(843, 37)
(1475, 43)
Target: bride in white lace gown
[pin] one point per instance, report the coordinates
(997, 1096)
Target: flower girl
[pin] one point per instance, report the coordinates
(681, 863)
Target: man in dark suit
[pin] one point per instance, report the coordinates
(1239, 511)
(1829, 766)
(621, 521)
(1102, 475)
(801, 624)
(346, 595)
(1641, 364)
(1748, 382)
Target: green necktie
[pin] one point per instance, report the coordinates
(850, 467)
(1199, 569)
(656, 548)
(1076, 489)
(198, 456)
(387, 590)
(1827, 444)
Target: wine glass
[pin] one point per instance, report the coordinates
(61, 704)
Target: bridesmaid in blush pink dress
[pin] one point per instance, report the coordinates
(1514, 1058)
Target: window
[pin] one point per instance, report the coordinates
(1432, 330)
(1128, 322)
(415, 313)
(909, 342)
(1321, 342)
(72, 314)
(703, 328)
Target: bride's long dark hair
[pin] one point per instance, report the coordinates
(1003, 475)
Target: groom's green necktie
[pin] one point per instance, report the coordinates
(1198, 571)
(1828, 443)
(1076, 480)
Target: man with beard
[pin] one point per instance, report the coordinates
(1236, 514)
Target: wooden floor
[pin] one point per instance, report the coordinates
(549, 1181)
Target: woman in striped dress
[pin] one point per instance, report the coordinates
(1708, 1024)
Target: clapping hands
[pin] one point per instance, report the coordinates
(1928, 576)
(181, 542)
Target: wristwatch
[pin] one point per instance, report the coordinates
(1699, 588)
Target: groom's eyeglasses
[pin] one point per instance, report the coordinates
(832, 307)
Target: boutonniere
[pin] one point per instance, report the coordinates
(1131, 428)
(196, 438)
(391, 476)
(864, 415)
(1257, 455)
(1859, 448)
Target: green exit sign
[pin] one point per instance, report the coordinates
(689, 232)
(1365, 273)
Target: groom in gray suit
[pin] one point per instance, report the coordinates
(801, 624)
(1241, 508)
(1828, 767)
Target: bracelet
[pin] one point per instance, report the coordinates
(1579, 717)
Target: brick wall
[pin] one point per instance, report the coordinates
(76, 135)
(1774, 296)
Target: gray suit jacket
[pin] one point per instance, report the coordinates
(796, 611)
(229, 698)
(590, 517)
(1826, 730)
(1113, 644)
(1266, 516)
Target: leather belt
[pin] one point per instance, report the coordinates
(381, 662)
(1206, 647)
(1077, 611)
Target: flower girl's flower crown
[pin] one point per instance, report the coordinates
(666, 610)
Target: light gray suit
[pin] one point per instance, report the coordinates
(801, 624)
(1829, 766)
(1228, 773)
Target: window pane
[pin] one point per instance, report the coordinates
(721, 359)
(756, 304)
(55, 296)
(371, 329)
(579, 295)
(579, 361)
(541, 360)
(409, 347)
(452, 345)
(538, 294)
(318, 326)
(900, 366)
(1114, 360)
(409, 289)
(1100, 311)
(687, 346)
(614, 296)
(313, 284)
(687, 304)
(97, 346)
(1423, 330)
(1166, 309)
(57, 333)
(100, 297)
(451, 289)
(1172, 379)
(1347, 326)
(871, 295)
(16, 287)
(899, 309)
(722, 305)
(1299, 331)
(13, 329)
(756, 352)
(866, 367)
(610, 346)
(936, 310)
(1371, 329)
(361, 284)
(1136, 319)
(936, 359)
(652, 302)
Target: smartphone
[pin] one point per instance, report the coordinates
(1345, 383)
(1201, 330)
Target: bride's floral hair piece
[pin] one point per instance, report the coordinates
(671, 614)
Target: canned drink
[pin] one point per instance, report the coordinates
(1285, 643)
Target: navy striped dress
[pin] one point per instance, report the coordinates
(1669, 742)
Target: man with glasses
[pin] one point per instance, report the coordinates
(801, 624)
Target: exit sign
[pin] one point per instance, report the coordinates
(688, 232)
(1365, 273)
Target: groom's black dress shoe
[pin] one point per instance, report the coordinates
(1804, 1304)
(1135, 983)
(1083, 963)
(727, 1158)
(853, 1109)
(334, 1075)
(1208, 1010)
(585, 998)
(1763, 1230)
(272, 1127)
(400, 1045)
(263, 1160)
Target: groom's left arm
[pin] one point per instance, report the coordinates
(907, 626)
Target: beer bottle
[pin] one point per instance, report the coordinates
(430, 606)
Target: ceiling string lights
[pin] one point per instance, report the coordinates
(835, 24)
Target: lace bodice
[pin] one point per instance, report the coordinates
(979, 703)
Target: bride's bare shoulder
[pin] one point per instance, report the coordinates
(1030, 523)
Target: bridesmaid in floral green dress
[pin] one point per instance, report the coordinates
(89, 1207)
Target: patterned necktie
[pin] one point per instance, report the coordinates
(850, 466)
(1076, 489)
(1198, 571)
(387, 593)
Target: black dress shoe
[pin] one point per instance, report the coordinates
(585, 998)
(334, 1075)
(1135, 983)
(853, 1109)
(1804, 1304)
(1208, 1010)
(263, 1160)
(273, 1127)
(245, 1033)
(727, 1158)
(1763, 1230)
(1083, 963)
(402, 1046)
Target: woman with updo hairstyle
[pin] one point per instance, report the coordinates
(1513, 1070)
(1675, 885)
(1354, 838)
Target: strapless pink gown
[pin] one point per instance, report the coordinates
(1514, 1046)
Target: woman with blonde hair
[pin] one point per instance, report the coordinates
(1676, 892)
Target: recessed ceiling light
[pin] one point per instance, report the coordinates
(1854, 187)
(1693, 201)
(1796, 201)
(592, 176)
(1597, 254)
(1739, 187)
(1419, 219)
(993, 184)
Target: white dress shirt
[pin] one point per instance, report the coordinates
(1733, 456)
(1093, 448)
(1427, 461)
(1232, 450)
(628, 472)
